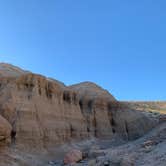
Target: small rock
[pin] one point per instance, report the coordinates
(72, 157)
(51, 163)
(92, 163)
(96, 153)
(106, 163)
(148, 149)
(55, 163)
(149, 143)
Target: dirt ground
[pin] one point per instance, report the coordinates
(149, 150)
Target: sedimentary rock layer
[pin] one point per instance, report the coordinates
(44, 111)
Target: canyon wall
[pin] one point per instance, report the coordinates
(44, 111)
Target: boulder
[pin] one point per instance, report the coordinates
(5, 130)
(73, 156)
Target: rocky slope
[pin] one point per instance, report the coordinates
(148, 150)
(41, 112)
(148, 106)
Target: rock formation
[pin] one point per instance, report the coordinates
(44, 111)
(5, 131)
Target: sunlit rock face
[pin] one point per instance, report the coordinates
(44, 111)
(7, 70)
(5, 131)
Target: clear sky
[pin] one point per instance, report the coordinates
(119, 44)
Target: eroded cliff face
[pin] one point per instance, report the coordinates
(5, 131)
(43, 111)
(120, 119)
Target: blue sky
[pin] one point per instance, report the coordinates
(119, 44)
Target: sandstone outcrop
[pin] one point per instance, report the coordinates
(119, 118)
(73, 157)
(44, 111)
(95, 104)
(5, 131)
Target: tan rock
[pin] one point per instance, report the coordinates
(149, 143)
(45, 112)
(73, 156)
(5, 130)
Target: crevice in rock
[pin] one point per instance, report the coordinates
(112, 121)
(113, 124)
(113, 130)
(39, 90)
(126, 130)
(13, 136)
(29, 86)
(95, 125)
(48, 90)
(66, 97)
(71, 131)
(88, 129)
(81, 104)
(90, 106)
(75, 98)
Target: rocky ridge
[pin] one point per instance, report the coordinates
(40, 112)
(43, 110)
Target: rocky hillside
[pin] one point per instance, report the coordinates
(45, 111)
(148, 106)
(37, 111)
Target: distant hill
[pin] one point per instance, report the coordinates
(150, 106)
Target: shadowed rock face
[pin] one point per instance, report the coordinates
(44, 111)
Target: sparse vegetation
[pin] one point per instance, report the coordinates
(158, 107)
